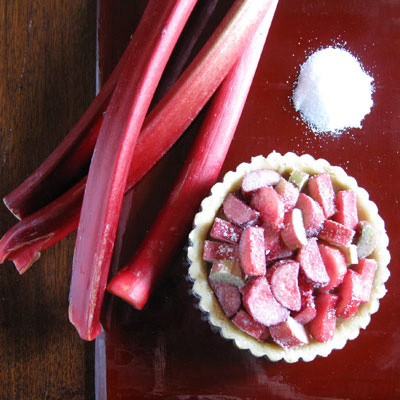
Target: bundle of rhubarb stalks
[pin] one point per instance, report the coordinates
(81, 185)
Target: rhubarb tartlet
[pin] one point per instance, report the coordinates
(288, 257)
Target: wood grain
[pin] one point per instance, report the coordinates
(47, 79)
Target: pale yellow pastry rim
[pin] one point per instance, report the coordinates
(346, 329)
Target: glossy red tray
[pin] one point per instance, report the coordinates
(168, 350)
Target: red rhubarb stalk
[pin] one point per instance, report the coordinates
(163, 125)
(184, 50)
(69, 162)
(110, 164)
(25, 240)
(135, 281)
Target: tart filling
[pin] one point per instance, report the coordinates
(288, 257)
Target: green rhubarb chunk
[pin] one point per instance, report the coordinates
(367, 239)
(298, 178)
(227, 271)
(350, 254)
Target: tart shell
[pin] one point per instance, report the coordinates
(345, 329)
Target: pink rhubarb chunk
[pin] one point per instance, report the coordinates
(270, 206)
(239, 212)
(284, 285)
(225, 231)
(293, 233)
(321, 190)
(307, 311)
(274, 245)
(289, 333)
(248, 325)
(323, 326)
(252, 251)
(260, 178)
(346, 205)
(313, 215)
(261, 304)
(228, 297)
(335, 264)
(312, 265)
(349, 295)
(288, 193)
(336, 233)
(219, 251)
(366, 267)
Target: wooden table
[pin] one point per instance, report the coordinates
(47, 70)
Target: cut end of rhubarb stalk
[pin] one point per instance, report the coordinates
(131, 287)
(24, 257)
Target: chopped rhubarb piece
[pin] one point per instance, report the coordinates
(322, 327)
(313, 215)
(261, 304)
(284, 285)
(336, 233)
(304, 286)
(293, 233)
(275, 248)
(252, 251)
(321, 190)
(350, 254)
(307, 311)
(260, 178)
(219, 251)
(366, 267)
(350, 293)
(367, 239)
(288, 192)
(284, 253)
(248, 325)
(228, 297)
(289, 333)
(272, 267)
(298, 178)
(335, 265)
(281, 252)
(270, 206)
(346, 205)
(239, 212)
(109, 166)
(312, 265)
(227, 271)
(272, 240)
(225, 231)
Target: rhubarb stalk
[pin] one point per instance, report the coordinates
(112, 155)
(163, 125)
(55, 174)
(201, 169)
(69, 162)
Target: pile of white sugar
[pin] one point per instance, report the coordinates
(333, 91)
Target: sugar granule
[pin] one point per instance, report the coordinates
(333, 92)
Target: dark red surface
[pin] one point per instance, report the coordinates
(168, 350)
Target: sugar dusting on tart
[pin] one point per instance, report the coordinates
(346, 329)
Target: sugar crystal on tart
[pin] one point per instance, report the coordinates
(288, 257)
